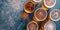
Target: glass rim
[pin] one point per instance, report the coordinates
(50, 22)
(26, 10)
(41, 19)
(52, 18)
(32, 22)
(49, 6)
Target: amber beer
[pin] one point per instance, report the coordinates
(40, 14)
(48, 24)
(48, 4)
(28, 7)
(55, 15)
(32, 25)
(43, 22)
(25, 15)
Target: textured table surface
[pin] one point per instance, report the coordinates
(10, 15)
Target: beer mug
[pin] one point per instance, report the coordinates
(36, 1)
(32, 26)
(40, 14)
(43, 23)
(55, 15)
(28, 7)
(50, 26)
(48, 4)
